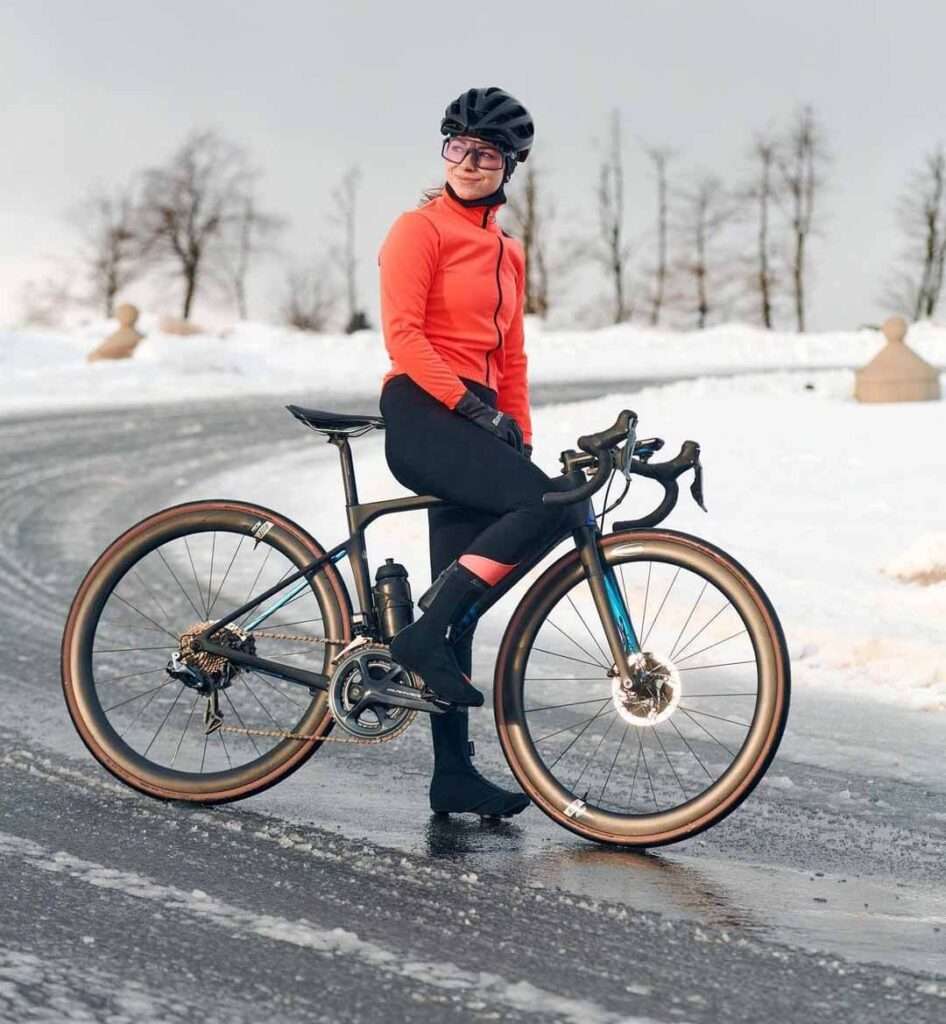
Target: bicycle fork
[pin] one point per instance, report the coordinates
(612, 610)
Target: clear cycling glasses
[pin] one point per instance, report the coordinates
(485, 157)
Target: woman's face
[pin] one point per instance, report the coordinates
(468, 181)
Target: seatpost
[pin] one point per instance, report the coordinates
(357, 553)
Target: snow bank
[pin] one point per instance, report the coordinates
(47, 370)
(817, 495)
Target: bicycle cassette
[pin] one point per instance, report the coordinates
(371, 696)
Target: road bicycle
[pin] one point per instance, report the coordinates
(640, 690)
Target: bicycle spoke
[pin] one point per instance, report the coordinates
(661, 608)
(173, 636)
(568, 657)
(575, 642)
(614, 762)
(692, 751)
(650, 568)
(178, 582)
(708, 733)
(588, 628)
(690, 616)
(249, 592)
(278, 693)
(187, 725)
(194, 570)
(130, 675)
(594, 754)
(552, 707)
(701, 629)
(650, 777)
(225, 748)
(128, 650)
(574, 725)
(225, 575)
(242, 723)
(258, 701)
(152, 595)
(164, 720)
(747, 693)
(722, 664)
(143, 709)
(709, 647)
(706, 714)
(213, 551)
(610, 711)
(669, 762)
(138, 696)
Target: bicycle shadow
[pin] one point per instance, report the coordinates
(636, 878)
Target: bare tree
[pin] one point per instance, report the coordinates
(345, 197)
(253, 233)
(192, 205)
(531, 218)
(922, 215)
(801, 163)
(613, 251)
(762, 193)
(310, 298)
(706, 210)
(660, 157)
(112, 249)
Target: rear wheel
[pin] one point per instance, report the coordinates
(151, 589)
(674, 755)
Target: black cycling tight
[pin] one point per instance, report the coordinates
(431, 449)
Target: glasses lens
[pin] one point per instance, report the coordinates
(485, 157)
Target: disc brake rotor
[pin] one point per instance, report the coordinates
(652, 692)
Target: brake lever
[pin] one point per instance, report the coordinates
(696, 488)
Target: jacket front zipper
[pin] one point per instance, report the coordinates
(499, 306)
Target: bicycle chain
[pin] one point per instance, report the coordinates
(283, 733)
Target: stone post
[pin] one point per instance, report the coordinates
(897, 373)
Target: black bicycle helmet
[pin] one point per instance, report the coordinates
(492, 115)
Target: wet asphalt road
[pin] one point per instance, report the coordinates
(336, 896)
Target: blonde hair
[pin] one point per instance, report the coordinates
(429, 194)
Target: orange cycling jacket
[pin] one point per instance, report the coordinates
(452, 290)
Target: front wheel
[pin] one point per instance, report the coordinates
(147, 594)
(607, 763)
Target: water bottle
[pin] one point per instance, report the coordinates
(393, 598)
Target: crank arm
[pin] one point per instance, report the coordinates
(397, 697)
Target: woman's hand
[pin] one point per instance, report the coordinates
(499, 424)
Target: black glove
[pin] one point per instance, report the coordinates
(527, 451)
(497, 423)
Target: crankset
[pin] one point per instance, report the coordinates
(371, 696)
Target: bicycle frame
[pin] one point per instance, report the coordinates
(581, 524)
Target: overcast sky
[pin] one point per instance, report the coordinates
(91, 91)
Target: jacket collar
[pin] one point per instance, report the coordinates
(481, 216)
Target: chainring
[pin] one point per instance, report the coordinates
(369, 663)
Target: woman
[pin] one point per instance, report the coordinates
(456, 408)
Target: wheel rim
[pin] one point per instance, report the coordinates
(157, 587)
(586, 764)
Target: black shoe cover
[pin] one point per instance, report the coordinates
(435, 664)
(467, 792)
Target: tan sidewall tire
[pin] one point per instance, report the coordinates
(763, 738)
(338, 623)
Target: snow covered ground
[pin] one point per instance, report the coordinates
(48, 370)
(823, 499)
(835, 506)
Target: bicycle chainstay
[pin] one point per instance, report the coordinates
(285, 734)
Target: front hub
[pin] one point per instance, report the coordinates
(650, 694)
